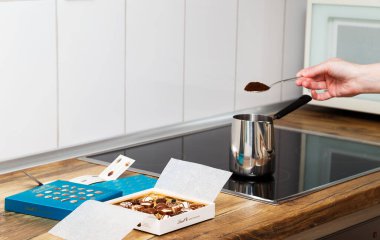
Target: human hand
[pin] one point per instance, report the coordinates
(336, 77)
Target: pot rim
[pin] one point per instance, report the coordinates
(253, 118)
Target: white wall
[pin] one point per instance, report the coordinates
(112, 68)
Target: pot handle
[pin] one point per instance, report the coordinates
(293, 106)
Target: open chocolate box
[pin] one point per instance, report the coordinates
(183, 195)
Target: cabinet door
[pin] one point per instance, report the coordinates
(91, 66)
(347, 30)
(210, 43)
(294, 42)
(366, 230)
(259, 56)
(154, 79)
(28, 78)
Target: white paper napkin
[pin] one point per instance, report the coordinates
(97, 221)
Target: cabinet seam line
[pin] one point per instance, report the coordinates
(184, 62)
(236, 51)
(125, 67)
(57, 72)
(283, 49)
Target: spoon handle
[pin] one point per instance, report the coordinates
(284, 80)
(293, 106)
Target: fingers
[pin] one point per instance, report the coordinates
(320, 96)
(310, 84)
(317, 83)
(314, 86)
(322, 77)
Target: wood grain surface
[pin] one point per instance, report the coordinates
(354, 125)
(236, 218)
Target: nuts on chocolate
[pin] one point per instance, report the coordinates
(160, 205)
(126, 204)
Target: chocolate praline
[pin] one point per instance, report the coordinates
(195, 206)
(161, 205)
(149, 210)
(147, 204)
(177, 209)
(148, 199)
(166, 211)
(137, 207)
(161, 200)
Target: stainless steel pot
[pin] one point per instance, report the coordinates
(252, 150)
(262, 187)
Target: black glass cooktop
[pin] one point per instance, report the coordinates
(305, 162)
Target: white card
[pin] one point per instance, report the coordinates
(97, 221)
(112, 172)
(116, 168)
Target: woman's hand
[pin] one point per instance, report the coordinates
(339, 78)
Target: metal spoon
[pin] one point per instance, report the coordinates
(261, 87)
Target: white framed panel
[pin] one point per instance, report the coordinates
(259, 51)
(28, 78)
(154, 63)
(210, 48)
(91, 58)
(349, 30)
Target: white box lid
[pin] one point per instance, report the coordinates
(192, 179)
(97, 221)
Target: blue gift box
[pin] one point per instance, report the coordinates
(57, 199)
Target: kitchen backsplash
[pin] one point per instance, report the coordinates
(76, 72)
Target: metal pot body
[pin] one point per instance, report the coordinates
(252, 150)
(262, 187)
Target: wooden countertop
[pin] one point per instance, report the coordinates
(312, 216)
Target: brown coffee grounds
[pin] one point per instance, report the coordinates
(256, 86)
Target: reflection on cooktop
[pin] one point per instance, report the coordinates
(304, 162)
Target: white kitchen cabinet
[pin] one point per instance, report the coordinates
(259, 50)
(348, 30)
(28, 89)
(91, 73)
(365, 230)
(294, 44)
(210, 44)
(154, 63)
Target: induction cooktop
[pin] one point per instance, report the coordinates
(305, 161)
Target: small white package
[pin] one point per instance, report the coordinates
(190, 182)
(112, 172)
